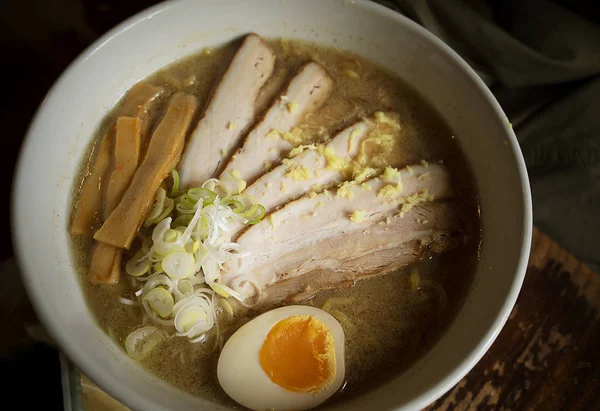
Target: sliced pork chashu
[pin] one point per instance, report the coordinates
(322, 217)
(383, 247)
(314, 167)
(230, 112)
(307, 170)
(266, 143)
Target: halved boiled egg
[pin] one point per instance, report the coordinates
(290, 358)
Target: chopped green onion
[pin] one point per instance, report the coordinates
(257, 216)
(168, 207)
(225, 291)
(207, 196)
(180, 229)
(187, 201)
(191, 316)
(138, 265)
(179, 264)
(220, 290)
(250, 211)
(185, 287)
(175, 189)
(157, 267)
(192, 247)
(249, 203)
(161, 301)
(235, 205)
(158, 206)
(183, 209)
(155, 257)
(141, 341)
(169, 204)
(183, 220)
(171, 235)
(146, 244)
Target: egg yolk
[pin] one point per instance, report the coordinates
(299, 354)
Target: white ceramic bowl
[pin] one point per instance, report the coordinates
(73, 109)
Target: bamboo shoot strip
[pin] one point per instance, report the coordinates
(89, 205)
(162, 156)
(127, 157)
(137, 103)
(105, 267)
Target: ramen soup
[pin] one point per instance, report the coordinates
(274, 224)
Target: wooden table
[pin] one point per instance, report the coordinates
(547, 356)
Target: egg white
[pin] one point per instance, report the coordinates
(243, 379)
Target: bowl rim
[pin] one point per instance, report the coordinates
(136, 400)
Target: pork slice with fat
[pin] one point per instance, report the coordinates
(303, 172)
(382, 247)
(321, 217)
(266, 143)
(229, 114)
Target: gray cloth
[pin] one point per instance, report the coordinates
(541, 59)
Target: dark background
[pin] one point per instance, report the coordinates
(541, 58)
(38, 40)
